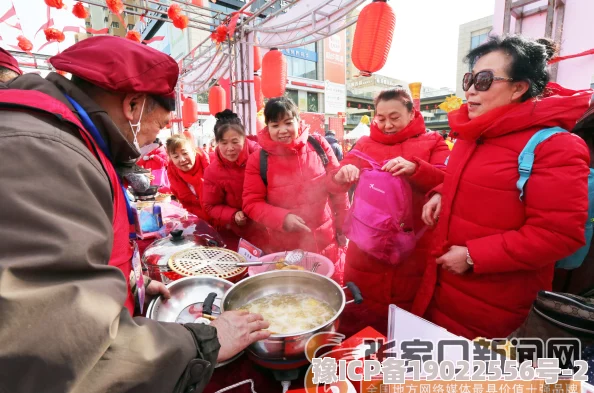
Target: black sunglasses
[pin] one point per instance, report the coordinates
(482, 80)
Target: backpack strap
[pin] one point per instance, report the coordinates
(526, 157)
(319, 149)
(264, 166)
(310, 139)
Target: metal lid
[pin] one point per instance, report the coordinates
(160, 251)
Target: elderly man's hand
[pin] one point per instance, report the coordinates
(238, 329)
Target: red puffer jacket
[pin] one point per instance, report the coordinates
(222, 196)
(514, 244)
(187, 186)
(383, 284)
(297, 184)
(158, 159)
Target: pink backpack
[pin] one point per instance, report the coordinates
(380, 220)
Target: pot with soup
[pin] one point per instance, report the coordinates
(297, 304)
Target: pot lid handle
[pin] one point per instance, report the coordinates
(177, 234)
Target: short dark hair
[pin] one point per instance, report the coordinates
(168, 103)
(227, 120)
(277, 108)
(397, 93)
(529, 59)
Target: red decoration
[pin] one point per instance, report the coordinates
(59, 4)
(189, 112)
(80, 11)
(134, 36)
(257, 59)
(24, 43)
(274, 74)
(174, 11)
(115, 6)
(217, 99)
(258, 93)
(199, 3)
(220, 34)
(181, 22)
(52, 34)
(373, 37)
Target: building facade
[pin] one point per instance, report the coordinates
(470, 35)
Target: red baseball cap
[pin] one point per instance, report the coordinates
(8, 61)
(120, 65)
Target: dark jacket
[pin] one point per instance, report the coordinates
(64, 326)
(331, 138)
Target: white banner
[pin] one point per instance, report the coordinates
(335, 98)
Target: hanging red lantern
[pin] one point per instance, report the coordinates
(52, 34)
(134, 36)
(181, 22)
(115, 6)
(258, 93)
(24, 43)
(59, 4)
(373, 37)
(189, 112)
(274, 74)
(80, 11)
(174, 11)
(257, 59)
(216, 99)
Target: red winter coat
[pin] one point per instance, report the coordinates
(222, 196)
(514, 244)
(297, 184)
(383, 284)
(159, 159)
(187, 186)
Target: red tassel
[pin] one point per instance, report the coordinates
(52, 34)
(24, 43)
(80, 11)
(134, 36)
(59, 4)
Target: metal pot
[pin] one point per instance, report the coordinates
(156, 256)
(283, 348)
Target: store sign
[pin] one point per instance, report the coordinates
(301, 54)
(335, 98)
(335, 58)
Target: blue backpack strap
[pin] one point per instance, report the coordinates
(526, 157)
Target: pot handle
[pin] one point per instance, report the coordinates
(357, 297)
(208, 302)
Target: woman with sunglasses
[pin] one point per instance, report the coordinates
(493, 249)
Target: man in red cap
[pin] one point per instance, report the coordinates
(9, 67)
(65, 306)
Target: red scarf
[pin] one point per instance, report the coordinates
(414, 128)
(196, 174)
(559, 107)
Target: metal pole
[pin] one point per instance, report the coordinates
(507, 16)
(558, 36)
(550, 17)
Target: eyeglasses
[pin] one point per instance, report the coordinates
(482, 80)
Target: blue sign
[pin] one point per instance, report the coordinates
(301, 54)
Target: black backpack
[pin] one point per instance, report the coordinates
(310, 139)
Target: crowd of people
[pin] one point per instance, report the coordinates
(480, 247)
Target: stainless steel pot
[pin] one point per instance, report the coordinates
(289, 347)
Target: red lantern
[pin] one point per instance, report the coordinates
(115, 6)
(373, 37)
(24, 43)
(181, 22)
(174, 11)
(257, 59)
(59, 4)
(52, 34)
(189, 112)
(216, 99)
(80, 11)
(134, 36)
(258, 93)
(274, 74)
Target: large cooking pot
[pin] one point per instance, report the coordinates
(289, 347)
